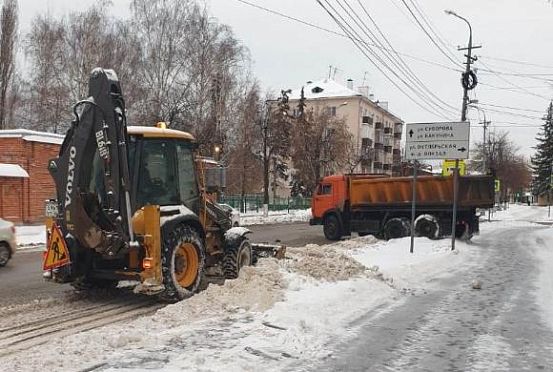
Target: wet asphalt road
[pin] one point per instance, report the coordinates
(21, 280)
(457, 328)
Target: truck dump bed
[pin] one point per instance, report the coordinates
(432, 191)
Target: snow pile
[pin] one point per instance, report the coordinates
(324, 263)
(302, 215)
(430, 258)
(256, 289)
(30, 235)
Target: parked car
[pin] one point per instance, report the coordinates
(234, 214)
(7, 241)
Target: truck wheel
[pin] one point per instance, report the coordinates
(463, 231)
(236, 256)
(5, 254)
(332, 228)
(183, 260)
(427, 225)
(396, 228)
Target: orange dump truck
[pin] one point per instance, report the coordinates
(381, 205)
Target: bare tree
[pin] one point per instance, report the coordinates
(48, 97)
(191, 67)
(63, 52)
(504, 160)
(321, 145)
(245, 164)
(8, 37)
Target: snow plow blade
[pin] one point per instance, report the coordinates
(269, 250)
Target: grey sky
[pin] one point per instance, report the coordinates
(287, 54)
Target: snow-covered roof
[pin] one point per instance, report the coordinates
(12, 170)
(32, 136)
(326, 88)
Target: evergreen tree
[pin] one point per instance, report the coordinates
(542, 161)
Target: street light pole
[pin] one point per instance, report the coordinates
(467, 85)
(484, 140)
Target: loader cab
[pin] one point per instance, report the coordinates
(162, 168)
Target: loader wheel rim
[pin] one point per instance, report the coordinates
(186, 264)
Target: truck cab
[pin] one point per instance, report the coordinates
(329, 197)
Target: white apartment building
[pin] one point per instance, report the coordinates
(376, 131)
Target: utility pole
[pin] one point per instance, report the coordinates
(469, 82)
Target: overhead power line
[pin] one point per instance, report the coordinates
(440, 48)
(510, 107)
(394, 58)
(525, 63)
(432, 29)
(514, 114)
(375, 59)
(513, 84)
(312, 25)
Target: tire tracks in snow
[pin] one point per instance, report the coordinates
(46, 325)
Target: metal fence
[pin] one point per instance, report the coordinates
(254, 202)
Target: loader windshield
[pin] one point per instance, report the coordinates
(157, 182)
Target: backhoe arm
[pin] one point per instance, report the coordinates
(92, 171)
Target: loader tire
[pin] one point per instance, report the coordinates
(332, 227)
(396, 228)
(182, 263)
(237, 255)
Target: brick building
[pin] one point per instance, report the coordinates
(25, 182)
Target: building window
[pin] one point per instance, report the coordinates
(331, 110)
(367, 120)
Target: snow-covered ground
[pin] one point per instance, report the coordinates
(282, 313)
(32, 235)
(278, 313)
(29, 235)
(275, 217)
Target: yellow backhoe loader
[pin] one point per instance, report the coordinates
(133, 204)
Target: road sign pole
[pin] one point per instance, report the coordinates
(413, 203)
(455, 192)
